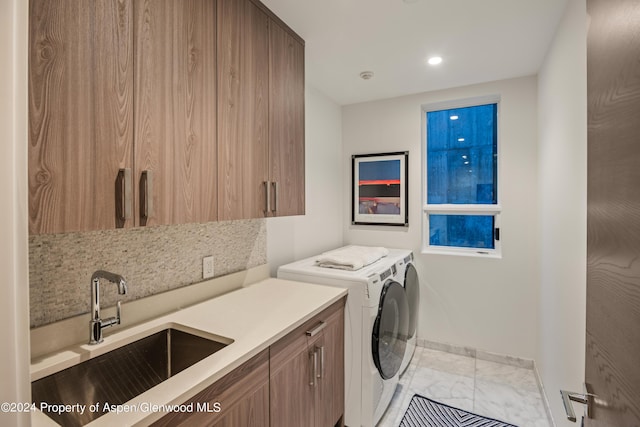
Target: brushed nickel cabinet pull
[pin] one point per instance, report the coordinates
(313, 359)
(123, 198)
(267, 190)
(275, 197)
(317, 329)
(146, 194)
(321, 351)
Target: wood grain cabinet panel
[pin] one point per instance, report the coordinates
(307, 373)
(260, 113)
(80, 112)
(175, 111)
(243, 96)
(292, 396)
(331, 387)
(286, 121)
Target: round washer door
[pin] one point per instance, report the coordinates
(412, 288)
(389, 339)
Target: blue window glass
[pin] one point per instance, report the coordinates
(463, 231)
(462, 166)
(462, 155)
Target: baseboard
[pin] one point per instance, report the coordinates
(478, 354)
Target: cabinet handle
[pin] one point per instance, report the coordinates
(146, 194)
(275, 197)
(267, 189)
(123, 199)
(317, 329)
(313, 359)
(321, 350)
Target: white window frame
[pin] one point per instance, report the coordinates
(453, 209)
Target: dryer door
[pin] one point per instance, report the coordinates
(390, 329)
(412, 288)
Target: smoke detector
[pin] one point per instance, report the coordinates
(366, 75)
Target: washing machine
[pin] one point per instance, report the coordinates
(376, 327)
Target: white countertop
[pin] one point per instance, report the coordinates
(253, 317)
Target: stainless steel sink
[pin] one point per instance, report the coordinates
(121, 374)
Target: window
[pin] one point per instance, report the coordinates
(461, 210)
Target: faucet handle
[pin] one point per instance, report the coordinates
(118, 311)
(122, 287)
(105, 323)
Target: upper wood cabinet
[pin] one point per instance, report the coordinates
(243, 109)
(286, 121)
(175, 111)
(149, 112)
(260, 113)
(80, 113)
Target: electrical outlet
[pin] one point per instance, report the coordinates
(207, 267)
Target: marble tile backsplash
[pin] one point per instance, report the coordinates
(152, 260)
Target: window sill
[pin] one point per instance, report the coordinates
(476, 253)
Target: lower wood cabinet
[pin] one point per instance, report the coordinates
(297, 382)
(306, 377)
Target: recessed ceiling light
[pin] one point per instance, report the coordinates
(434, 60)
(454, 117)
(366, 75)
(460, 139)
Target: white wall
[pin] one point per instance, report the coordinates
(14, 287)
(563, 208)
(489, 304)
(292, 238)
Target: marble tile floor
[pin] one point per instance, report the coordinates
(495, 390)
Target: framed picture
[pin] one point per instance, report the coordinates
(380, 189)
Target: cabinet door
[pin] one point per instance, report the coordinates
(330, 396)
(307, 372)
(286, 121)
(293, 383)
(80, 112)
(175, 129)
(243, 84)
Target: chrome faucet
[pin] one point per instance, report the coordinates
(96, 324)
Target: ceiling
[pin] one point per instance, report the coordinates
(479, 41)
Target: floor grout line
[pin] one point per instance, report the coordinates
(475, 378)
(453, 366)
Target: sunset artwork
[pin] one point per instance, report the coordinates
(380, 189)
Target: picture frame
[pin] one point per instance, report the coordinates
(380, 189)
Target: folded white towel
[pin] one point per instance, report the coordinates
(351, 257)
